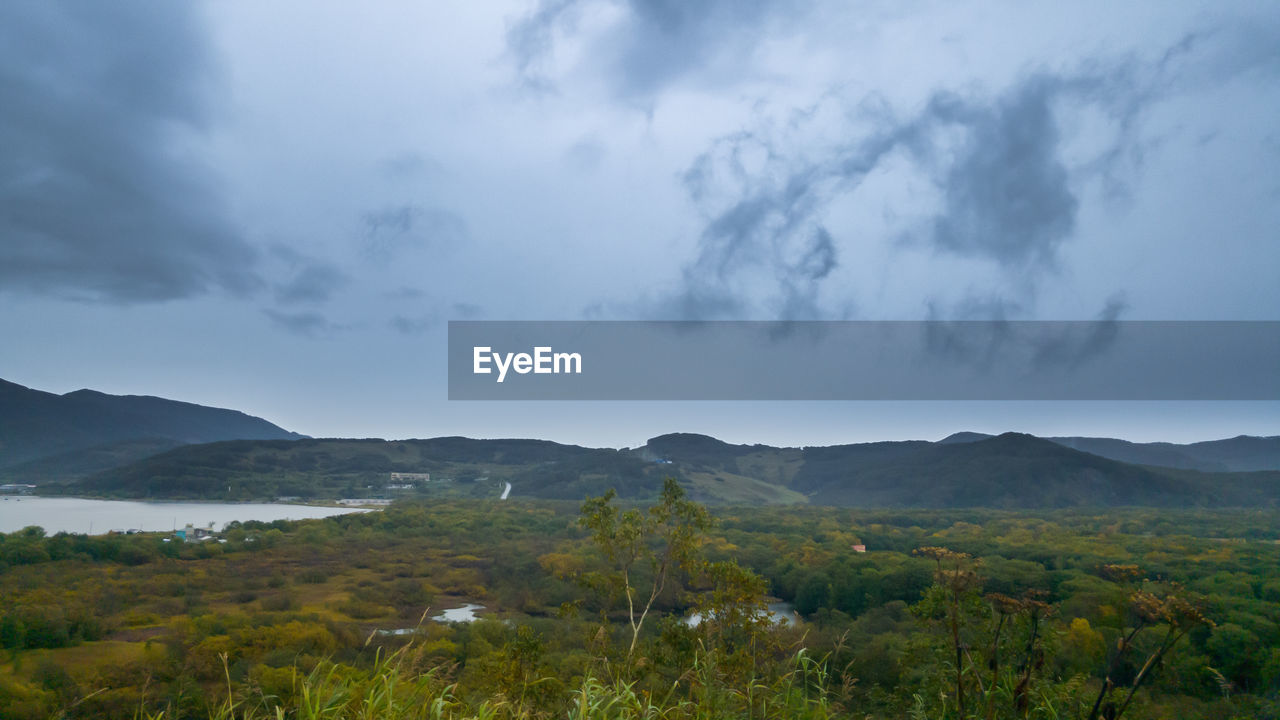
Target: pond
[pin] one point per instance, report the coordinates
(464, 614)
(780, 612)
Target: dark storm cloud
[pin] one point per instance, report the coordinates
(98, 198)
(387, 231)
(658, 42)
(1007, 194)
(1006, 191)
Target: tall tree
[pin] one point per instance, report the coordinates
(662, 540)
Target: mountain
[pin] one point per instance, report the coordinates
(36, 425)
(1239, 454)
(1007, 471)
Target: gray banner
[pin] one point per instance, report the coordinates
(864, 360)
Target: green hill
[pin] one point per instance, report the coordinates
(1008, 471)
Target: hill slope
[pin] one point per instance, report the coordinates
(36, 424)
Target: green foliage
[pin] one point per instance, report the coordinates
(1044, 609)
(663, 541)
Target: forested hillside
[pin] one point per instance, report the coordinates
(1008, 471)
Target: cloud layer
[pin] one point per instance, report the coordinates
(101, 197)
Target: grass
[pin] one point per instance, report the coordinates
(83, 659)
(731, 489)
(394, 689)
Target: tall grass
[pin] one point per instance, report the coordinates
(394, 690)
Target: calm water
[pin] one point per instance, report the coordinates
(779, 612)
(83, 515)
(464, 614)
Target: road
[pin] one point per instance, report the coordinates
(506, 492)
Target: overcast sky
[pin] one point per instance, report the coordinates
(276, 207)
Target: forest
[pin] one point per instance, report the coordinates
(617, 608)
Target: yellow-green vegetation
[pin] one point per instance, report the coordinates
(948, 614)
(734, 489)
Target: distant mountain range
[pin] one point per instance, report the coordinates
(1240, 454)
(1011, 470)
(1006, 471)
(44, 434)
(89, 442)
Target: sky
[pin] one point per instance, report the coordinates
(277, 207)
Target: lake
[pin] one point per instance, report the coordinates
(97, 517)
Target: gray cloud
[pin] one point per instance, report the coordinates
(987, 340)
(1007, 195)
(313, 283)
(417, 324)
(465, 311)
(405, 292)
(307, 324)
(659, 41)
(1006, 191)
(1074, 347)
(585, 155)
(408, 165)
(309, 280)
(414, 325)
(801, 279)
(97, 200)
(530, 39)
(388, 231)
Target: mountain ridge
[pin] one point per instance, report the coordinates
(146, 446)
(36, 425)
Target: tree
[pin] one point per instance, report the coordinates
(663, 539)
